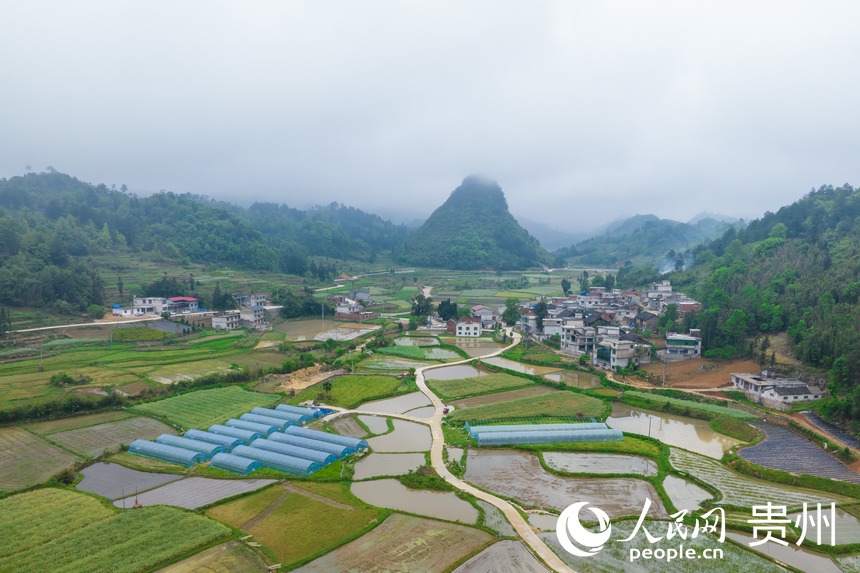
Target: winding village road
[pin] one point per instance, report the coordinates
(520, 525)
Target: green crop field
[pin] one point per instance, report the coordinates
(65, 424)
(350, 391)
(702, 407)
(28, 460)
(555, 404)
(420, 353)
(301, 521)
(93, 440)
(74, 532)
(203, 408)
(463, 387)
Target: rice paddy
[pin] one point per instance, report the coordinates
(203, 408)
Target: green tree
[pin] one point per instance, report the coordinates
(119, 284)
(422, 306)
(668, 318)
(609, 282)
(565, 286)
(448, 310)
(512, 312)
(541, 312)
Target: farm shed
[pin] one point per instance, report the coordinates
(296, 418)
(280, 462)
(245, 435)
(551, 437)
(228, 442)
(165, 453)
(235, 464)
(279, 423)
(475, 430)
(323, 458)
(326, 437)
(264, 429)
(205, 448)
(313, 413)
(338, 450)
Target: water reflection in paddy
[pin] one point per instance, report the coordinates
(392, 494)
(406, 437)
(453, 373)
(424, 412)
(685, 494)
(688, 433)
(790, 554)
(375, 424)
(519, 367)
(574, 379)
(543, 521)
(396, 405)
(475, 348)
(375, 465)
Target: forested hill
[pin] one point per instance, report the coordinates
(50, 223)
(795, 271)
(473, 229)
(644, 239)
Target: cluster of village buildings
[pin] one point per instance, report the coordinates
(252, 311)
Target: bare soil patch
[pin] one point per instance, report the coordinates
(699, 373)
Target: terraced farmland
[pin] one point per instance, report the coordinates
(555, 404)
(484, 384)
(785, 450)
(703, 407)
(741, 490)
(203, 408)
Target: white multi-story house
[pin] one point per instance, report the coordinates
(226, 321)
(681, 346)
(253, 316)
(469, 326)
(773, 391)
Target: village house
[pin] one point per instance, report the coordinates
(229, 320)
(486, 315)
(774, 391)
(468, 326)
(360, 295)
(253, 299)
(253, 317)
(683, 346)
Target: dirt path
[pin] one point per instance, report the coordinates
(266, 512)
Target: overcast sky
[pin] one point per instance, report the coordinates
(583, 112)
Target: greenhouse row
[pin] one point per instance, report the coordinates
(265, 437)
(544, 434)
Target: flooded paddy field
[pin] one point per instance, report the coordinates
(416, 341)
(392, 494)
(574, 379)
(615, 555)
(506, 556)
(424, 412)
(692, 434)
(403, 543)
(519, 367)
(193, 492)
(597, 463)
(114, 481)
(455, 454)
(502, 396)
(495, 519)
(383, 363)
(847, 526)
(475, 348)
(453, 373)
(685, 494)
(782, 449)
(543, 521)
(375, 465)
(519, 475)
(742, 490)
(376, 424)
(397, 405)
(406, 437)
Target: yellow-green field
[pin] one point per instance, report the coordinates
(203, 408)
(28, 460)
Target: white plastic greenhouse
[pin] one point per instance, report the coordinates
(313, 413)
(280, 462)
(338, 450)
(166, 453)
(264, 429)
(235, 464)
(323, 458)
(326, 437)
(206, 448)
(228, 442)
(247, 435)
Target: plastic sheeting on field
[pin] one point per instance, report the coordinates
(551, 437)
(280, 462)
(313, 413)
(323, 458)
(166, 453)
(475, 430)
(235, 464)
(228, 442)
(247, 435)
(326, 437)
(294, 417)
(264, 429)
(338, 450)
(279, 423)
(205, 448)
